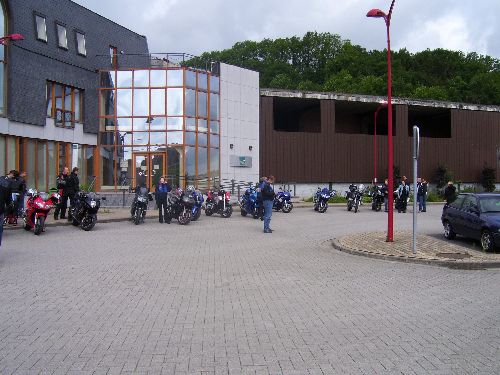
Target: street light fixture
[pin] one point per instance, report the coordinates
(5, 39)
(375, 141)
(377, 13)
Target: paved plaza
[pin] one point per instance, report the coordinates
(220, 297)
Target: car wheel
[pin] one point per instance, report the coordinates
(487, 242)
(448, 231)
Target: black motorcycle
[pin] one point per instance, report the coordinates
(218, 203)
(354, 196)
(140, 204)
(180, 206)
(84, 210)
(377, 194)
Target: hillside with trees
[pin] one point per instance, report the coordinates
(326, 62)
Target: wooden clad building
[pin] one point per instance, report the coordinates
(326, 137)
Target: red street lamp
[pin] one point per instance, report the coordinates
(377, 13)
(5, 39)
(375, 141)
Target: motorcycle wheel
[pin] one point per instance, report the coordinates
(349, 206)
(73, 220)
(287, 207)
(137, 216)
(316, 207)
(356, 206)
(197, 215)
(379, 207)
(184, 217)
(26, 225)
(227, 212)
(88, 222)
(243, 212)
(39, 225)
(255, 213)
(208, 211)
(323, 207)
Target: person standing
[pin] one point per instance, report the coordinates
(403, 193)
(268, 199)
(422, 194)
(162, 191)
(62, 180)
(72, 187)
(22, 191)
(260, 203)
(450, 193)
(385, 192)
(5, 199)
(15, 186)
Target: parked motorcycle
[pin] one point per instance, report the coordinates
(180, 206)
(198, 202)
(354, 196)
(218, 203)
(377, 198)
(283, 201)
(38, 207)
(84, 210)
(248, 203)
(321, 198)
(140, 204)
(12, 210)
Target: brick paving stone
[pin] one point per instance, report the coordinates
(219, 297)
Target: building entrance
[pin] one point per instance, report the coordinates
(148, 168)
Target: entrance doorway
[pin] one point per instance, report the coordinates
(148, 168)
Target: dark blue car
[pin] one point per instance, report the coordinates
(474, 216)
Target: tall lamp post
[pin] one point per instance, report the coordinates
(375, 141)
(377, 13)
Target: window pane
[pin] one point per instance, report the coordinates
(190, 78)
(214, 126)
(107, 107)
(124, 78)
(77, 105)
(49, 99)
(191, 123)
(124, 138)
(30, 162)
(158, 102)
(191, 138)
(124, 167)
(141, 138)
(214, 141)
(61, 37)
(214, 106)
(89, 164)
(202, 81)
(124, 102)
(157, 138)
(202, 125)
(52, 164)
(2, 67)
(41, 161)
(41, 28)
(108, 79)
(202, 163)
(214, 165)
(62, 156)
(190, 165)
(202, 139)
(174, 123)
(214, 83)
(11, 153)
(174, 102)
(158, 78)
(158, 123)
(59, 94)
(80, 41)
(67, 98)
(107, 166)
(141, 124)
(141, 102)
(141, 78)
(202, 104)
(190, 102)
(174, 138)
(174, 77)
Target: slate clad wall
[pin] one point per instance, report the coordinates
(32, 62)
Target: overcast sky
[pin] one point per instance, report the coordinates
(196, 26)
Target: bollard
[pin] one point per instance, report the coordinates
(123, 200)
(232, 187)
(239, 188)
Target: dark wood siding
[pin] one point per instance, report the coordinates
(337, 157)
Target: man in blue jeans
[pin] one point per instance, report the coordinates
(5, 199)
(268, 198)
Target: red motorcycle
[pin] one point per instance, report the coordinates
(218, 203)
(38, 207)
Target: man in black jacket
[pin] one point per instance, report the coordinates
(72, 187)
(5, 199)
(268, 199)
(62, 180)
(450, 193)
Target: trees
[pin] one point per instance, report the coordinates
(326, 62)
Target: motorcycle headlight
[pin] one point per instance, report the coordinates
(93, 203)
(40, 205)
(324, 196)
(141, 199)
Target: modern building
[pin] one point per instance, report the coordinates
(81, 90)
(310, 138)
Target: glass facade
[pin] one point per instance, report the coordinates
(159, 122)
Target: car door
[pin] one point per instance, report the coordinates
(470, 216)
(454, 214)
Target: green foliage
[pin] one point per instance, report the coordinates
(488, 178)
(85, 187)
(324, 61)
(433, 197)
(442, 176)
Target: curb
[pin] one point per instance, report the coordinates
(452, 264)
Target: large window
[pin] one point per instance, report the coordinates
(2, 60)
(64, 104)
(41, 28)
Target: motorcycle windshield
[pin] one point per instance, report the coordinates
(44, 196)
(143, 191)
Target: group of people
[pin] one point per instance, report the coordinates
(68, 184)
(12, 192)
(403, 193)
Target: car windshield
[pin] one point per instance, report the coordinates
(490, 204)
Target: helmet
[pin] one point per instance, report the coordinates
(32, 192)
(190, 189)
(361, 187)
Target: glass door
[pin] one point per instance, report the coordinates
(141, 170)
(148, 168)
(157, 168)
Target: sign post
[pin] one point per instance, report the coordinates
(416, 147)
